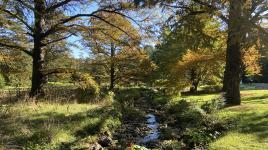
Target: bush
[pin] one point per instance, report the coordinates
(2, 81)
(213, 105)
(196, 137)
(109, 98)
(128, 94)
(87, 88)
(198, 126)
(110, 124)
(191, 118)
(178, 107)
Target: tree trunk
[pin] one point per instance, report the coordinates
(231, 82)
(112, 68)
(193, 88)
(194, 80)
(38, 78)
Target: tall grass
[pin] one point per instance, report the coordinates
(56, 121)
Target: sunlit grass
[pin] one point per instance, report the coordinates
(52, 125)
(252, 129)
(200, 98)
(251, 132)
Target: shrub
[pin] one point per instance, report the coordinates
(212, 88)
(110, 124)
(191, 118)
(196, 137)
(214, 105)
(2, 81)
(128, 95)
(178, 107)
(198, 126)
(87, 88)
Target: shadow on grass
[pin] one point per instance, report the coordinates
(253, 123)
(256, 124)
(199, 93)
(44, 126)
(263, 99)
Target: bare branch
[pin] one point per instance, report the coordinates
(25, 4)
(57, 5)
(175, 6)
(93, 14)
(57, 40)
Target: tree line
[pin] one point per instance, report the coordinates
(210, 42)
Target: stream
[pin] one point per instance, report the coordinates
(153, 134)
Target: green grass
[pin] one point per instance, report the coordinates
(251, 132)
(54, 126)
(252, 117)
(200, 98)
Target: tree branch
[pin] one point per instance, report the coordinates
(25, 4)
(213, 8)
(58, 71)
(57, 40)
(17, 17)
(93, 14)
(57, 5)
(16, 47)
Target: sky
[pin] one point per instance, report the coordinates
(80, 51)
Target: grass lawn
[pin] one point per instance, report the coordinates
(252, 130)
(252, 116)
(52, 126)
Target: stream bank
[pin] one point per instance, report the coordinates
(140, 124)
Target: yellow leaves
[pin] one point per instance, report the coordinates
(4, 58)
(208, 66)
(10, 56)
(192, 58)
(251, 57)
(118, 31)
(85, 81)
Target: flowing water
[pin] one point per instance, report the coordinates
(153, 134)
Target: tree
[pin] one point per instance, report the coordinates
(200, 66)
(191, 53)
(114, 49)
(244, 17)
(39, 23)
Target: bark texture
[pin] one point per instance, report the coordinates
(231, 83)
(38, 77)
